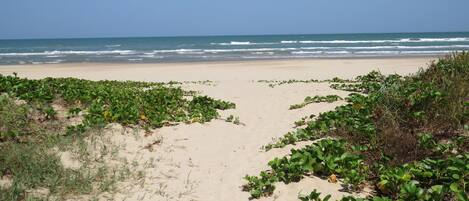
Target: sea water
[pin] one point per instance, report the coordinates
(222, 48)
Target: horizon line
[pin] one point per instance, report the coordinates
(219, 35)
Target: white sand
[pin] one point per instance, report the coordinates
(207, 162)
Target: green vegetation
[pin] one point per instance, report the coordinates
(32, 132)
(273, 83)
(428, 179)
(229, 118)
(26, 160)
(322, 158)
(406, 136)
(365, 83)
(138, 103)
(32, 167)
(316, 99)
(233, 119)
(236, 121)
(314, 196)
(14, 119)
(304, 120)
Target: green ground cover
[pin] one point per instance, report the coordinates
(404, 137)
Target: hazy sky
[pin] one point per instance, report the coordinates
(115, 18)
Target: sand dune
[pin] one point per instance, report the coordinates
(207, 161)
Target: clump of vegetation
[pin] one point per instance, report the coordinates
(273, 83)
(322, 158)
(236, 121)
(408, 105)
(26, 160)
(365, 83)
(304, 120)
(14, 120)
(410, 131)
(314, 196)
(316, 99)
(300, 122)
(138, 103)
(204, 82)
(229, 118)
(30, 166)
(233, 119)
(429, 179)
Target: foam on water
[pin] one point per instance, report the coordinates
(307, 52)
(404, 40)
(238, 43)
(229, 47)
(135, 59)
(377, 52)
(288, 41)
(48, 53)
(337, 52)
(426, 52)
(117, 45)
(247, 50)
(176, 51)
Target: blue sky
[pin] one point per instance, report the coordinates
(118, 18)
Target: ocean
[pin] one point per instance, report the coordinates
(222, 48)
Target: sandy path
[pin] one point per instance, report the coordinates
(207, 162)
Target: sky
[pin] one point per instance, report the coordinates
(124, 18)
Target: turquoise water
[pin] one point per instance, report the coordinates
(220, 48)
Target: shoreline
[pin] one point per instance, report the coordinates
(233, 60)
(223, 71)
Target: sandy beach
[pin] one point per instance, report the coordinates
(223, 71)
(207, 162)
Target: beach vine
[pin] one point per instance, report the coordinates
(405, 137)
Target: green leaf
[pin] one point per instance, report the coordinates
(453, 168)
(406, 177)
(454, 187)
(437, 188)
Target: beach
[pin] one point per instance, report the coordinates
(223, 71)
(208, 161)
